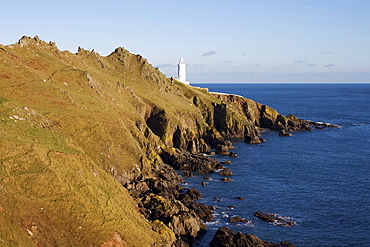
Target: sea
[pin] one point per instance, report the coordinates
(320, 179)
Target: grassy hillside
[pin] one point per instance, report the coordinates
(71, 124)
(76, 130)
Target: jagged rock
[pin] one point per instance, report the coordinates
(237, 219)
(190, 195)
(232, 154)
(184, 222)
(227, 237)
(205, 212)
(252, 135)
(187, 174)
(222, 150)
(225, 172)
(275, 219)
(186, 225)
(166, 188)
(228, 144)
(180, 160)
(283, 132)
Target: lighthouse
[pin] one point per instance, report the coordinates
(182, 71)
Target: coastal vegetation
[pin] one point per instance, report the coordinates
(89, 144)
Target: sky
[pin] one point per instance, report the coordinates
(220, 41)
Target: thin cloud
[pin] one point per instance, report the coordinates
(327, 52)
(209, 53)
(226, 61)
(166, 65)
(256, 64)
(311, 65)
(329, 65)
(196, 65)
(301, 61)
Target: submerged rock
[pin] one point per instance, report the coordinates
(237, 219)
(275, 219)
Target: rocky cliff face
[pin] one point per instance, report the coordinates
(89, 143)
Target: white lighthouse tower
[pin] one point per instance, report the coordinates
(182, 72)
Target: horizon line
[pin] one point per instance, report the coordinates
(279, 82)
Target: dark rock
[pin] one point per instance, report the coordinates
(232, 207)
(166, 188)
(225, 172)
(219, 166)
(205, 212)
(237, 219)
(190, 195)
(222, 150)
(226, 180)
(227, 237)
(283, 132)
(180, 160)
(232, 154)
(206, 178)
(187, 174)
(210, 153)
(184, 222)
(226, 162)
(275, 219)
(239, 198)
(320, 125)
(228, 144)
(261, 139)
(252, 135)
(203, 183)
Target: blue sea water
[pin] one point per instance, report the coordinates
(321, 179)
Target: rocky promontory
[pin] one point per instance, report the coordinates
(89, 146)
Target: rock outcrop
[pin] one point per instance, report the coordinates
(227, 237)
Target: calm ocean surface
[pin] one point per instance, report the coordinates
(321, 178)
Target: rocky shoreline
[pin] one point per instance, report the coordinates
(163, 198)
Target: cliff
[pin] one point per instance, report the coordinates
(87, 144)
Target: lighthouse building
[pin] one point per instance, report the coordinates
(182, 71)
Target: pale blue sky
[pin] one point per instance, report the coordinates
(221, 41)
